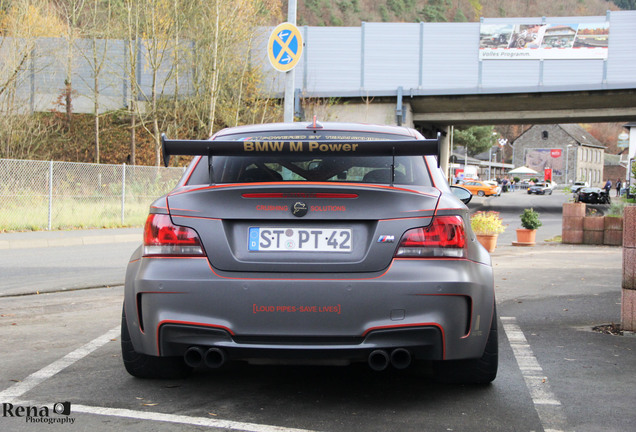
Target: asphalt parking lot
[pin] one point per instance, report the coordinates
(555, 373)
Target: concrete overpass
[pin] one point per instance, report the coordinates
(433, 75)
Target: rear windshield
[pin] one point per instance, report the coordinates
(409, 170)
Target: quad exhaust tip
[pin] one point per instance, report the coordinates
(193, 357)
(400, 358)
(196, 356)
(379, 360)
(214, 358)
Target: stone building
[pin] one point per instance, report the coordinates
(567, 149)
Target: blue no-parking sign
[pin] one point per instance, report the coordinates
(285, 47)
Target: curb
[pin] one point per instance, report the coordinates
(38, 240)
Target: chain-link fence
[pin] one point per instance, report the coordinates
(37, 195)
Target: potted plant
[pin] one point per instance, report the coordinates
(530, 222)
(487, 226)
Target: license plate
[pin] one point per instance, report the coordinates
(272, 239)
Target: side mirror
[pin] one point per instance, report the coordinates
(463, 194)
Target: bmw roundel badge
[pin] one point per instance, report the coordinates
(299, 209)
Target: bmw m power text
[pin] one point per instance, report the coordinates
(311, 243)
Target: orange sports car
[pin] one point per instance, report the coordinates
(480, 188)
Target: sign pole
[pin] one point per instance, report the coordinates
(290, 76)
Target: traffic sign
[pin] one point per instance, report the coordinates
(285, 47)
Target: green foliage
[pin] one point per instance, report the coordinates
(396, 6)
(384, 13)
(477, 139)
(616, 208)
(487, 223)
(626, 4)
(435, 10)
(530, 219)
(459, 16)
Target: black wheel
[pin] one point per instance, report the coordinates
(481, 193)
(482, 370)
(145, 366)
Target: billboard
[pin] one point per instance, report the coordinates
(544, 41)
(543, 159)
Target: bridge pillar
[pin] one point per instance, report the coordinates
(372, 112)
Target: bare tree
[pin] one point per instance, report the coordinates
(70, 11)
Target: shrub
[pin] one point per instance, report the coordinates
(487, 223)
(530, 219)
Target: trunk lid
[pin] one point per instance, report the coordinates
(291, 228)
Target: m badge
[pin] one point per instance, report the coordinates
(386, 239)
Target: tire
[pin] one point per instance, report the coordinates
(482, 370)
(481, 193)
(145, 366)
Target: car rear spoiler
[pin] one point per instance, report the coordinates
(332, 147)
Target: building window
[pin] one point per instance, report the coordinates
(544, 135)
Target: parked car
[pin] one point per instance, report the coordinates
(494, 183)
(480, 188)
(328, 243)
(578, 185)
(541, 189)
(592, 195)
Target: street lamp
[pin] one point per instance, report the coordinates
(567, 165)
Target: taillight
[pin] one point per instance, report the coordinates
(444, 237)
(162, 237)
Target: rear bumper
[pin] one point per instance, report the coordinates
(423, 342)
(438, 309)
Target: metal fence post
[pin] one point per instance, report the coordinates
(123, 192)
(50, 195)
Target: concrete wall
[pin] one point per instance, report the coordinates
(372, 112)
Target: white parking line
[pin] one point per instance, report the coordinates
(546, 404)
(13, 393)
(20, 388)
(181, 419)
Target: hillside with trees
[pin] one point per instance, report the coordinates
(211, 37)
(353, 12)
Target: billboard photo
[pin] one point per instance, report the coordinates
(545, 158)
(544, 41)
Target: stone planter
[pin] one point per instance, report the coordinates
(613, 231)
(525, 237)
(593, 230)
(628, 302)
(488, 241)
(572, 231)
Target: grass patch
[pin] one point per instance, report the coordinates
(73, 214)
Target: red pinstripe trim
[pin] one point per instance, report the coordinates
(232, 185)
(407, 218)
(187, 210)
(194, 166)
(430, 172)
(195, 217)
(398, 326)
(188, 323)
(433, 258)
